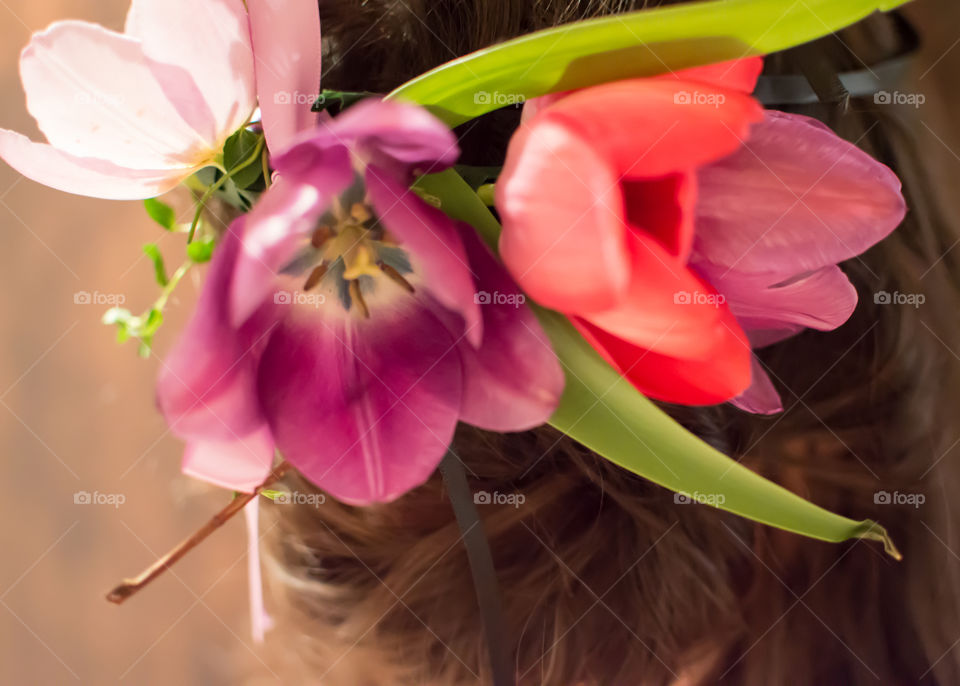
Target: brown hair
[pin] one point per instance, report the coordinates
(606, 581)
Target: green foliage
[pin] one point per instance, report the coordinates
(237, 154)
(642, 43)
(200, 252)
(159, 269)
(161, 213)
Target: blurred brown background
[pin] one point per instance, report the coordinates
(77, 414)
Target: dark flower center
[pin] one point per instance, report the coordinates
(351, 253)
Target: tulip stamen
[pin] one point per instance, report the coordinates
(358, 298)
(316, 276)
(396, 277)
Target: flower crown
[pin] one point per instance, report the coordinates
(652, 224)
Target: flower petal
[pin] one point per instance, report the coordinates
(761, 397)
(513, 382)
(722, 376)
(433, 240)
(83, 175)
(667, 308)
(363, 408)
(286, 42)
(738, 75)
(648, 128)
(93, 94)
(795, 198)
(664, 208)
(822, 300)
(282, 222)
(207, 387)
(210, 40)
(241, 464)
(562, 207)
(396, 136)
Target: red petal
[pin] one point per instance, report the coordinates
(738, 75)
(649, 128)
(563, 228)
(725, 374)
(667, 307)
(664, 208)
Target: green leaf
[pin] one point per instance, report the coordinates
(339, 100)
(641, 43)
(160, 271)
(161, 213)
(236, 153)
(200, 252)
(607, 414)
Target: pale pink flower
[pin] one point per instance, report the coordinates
(131, 115)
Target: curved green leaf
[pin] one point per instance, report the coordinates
(639, 43)
(604, 412)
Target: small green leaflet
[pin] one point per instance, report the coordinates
(634, 44)
(607, 414)
(159, 269)
(161, 213)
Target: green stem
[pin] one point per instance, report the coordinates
(202, 203)
(172, 285)
(264, 158)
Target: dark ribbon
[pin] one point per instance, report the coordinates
(817, 82)
(482, 569)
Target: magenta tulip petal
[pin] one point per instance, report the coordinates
(241, 464)
(822, 300)
(279, 225)
(286, 42)
(761, 397)
(795, 198)
(207, 386)
(513, 382)
(567, 247)
(364, 408)
(435, 244)
(211, 41)
(83, 175)
(94, 94)
(394, 135)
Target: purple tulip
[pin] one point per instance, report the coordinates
(349, 325)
